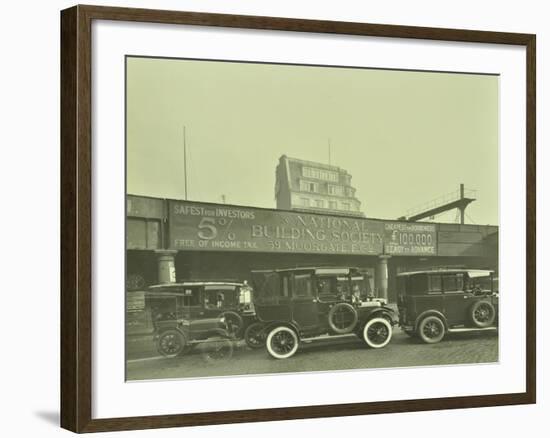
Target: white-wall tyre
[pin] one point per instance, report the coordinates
(282, 342)
(377, 332)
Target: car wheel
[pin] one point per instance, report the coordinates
(282, 342)
(342, 318)
(431, 329)
(234, 323)
(217, 350)
(255, 335)
(171, 343)
(377, 332)
(482, 314)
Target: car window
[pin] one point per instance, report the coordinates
(326, 286)
(480, 284)
(190, 297)
(220, 296)
(302, 285)
(285, 290)
(434, 284)
(361, 287)
(453, 282)
(417, 284)
(268, 289)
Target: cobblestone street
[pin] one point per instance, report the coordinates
(320, 355)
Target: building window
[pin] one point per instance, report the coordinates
(332, 205)
(306, 186)
(309, 172)
(319, 203)
(335, 190)
(325, 175)
(304, 202)
(346, 206)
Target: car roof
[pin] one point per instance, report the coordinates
(319, 270)
(194, 283)
(471, 272)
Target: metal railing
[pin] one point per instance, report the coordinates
(447, 198)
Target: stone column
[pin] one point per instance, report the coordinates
(166, 265)
(382, 276)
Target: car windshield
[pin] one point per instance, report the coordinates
(360, 286)
(343, 286)
(480, 283)
(220, 296)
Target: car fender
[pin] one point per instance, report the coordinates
(272, 324)
(383, 312)
(165, 327)
(431, 312)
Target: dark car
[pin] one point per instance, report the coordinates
(192, 312)
(298, 304)
(435, 302)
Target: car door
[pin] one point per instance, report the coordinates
(190, 303)
(305, 310)
(424, 293)
(456, 299)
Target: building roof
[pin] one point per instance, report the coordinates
(316, 164)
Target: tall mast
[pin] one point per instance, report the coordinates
(185, 161)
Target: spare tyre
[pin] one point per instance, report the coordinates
(342, 318)
(482, 314)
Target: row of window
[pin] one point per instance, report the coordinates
(326, 175)
(305, 285)
(333, 205)
(436, 284)
(335, 190)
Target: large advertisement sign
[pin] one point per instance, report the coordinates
(196, 226)
(402, 238)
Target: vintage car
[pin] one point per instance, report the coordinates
(298, 304)
(435, 302)
(192, 312)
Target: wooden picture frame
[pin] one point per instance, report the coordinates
(76, 217)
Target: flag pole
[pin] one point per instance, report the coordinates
(185, 161)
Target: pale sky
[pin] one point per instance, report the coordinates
(405, 137)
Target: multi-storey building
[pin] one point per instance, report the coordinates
(309, 186)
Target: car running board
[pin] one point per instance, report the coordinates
(470, 329)
(320, 338)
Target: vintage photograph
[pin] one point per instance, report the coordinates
(286, 218)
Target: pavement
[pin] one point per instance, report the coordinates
(323, 354)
